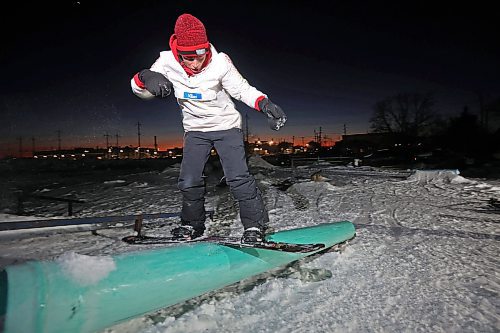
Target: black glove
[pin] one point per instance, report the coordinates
(156, 83)
(275, 115)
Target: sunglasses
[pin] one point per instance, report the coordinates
(193, 58)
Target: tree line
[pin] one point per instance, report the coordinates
(414, 115)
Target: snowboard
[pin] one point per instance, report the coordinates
(145, 240)
(233, 242)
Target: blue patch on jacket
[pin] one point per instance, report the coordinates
(190, 95)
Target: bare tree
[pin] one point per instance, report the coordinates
(493, 111)
(409, 114)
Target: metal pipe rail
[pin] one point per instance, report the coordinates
(17, 225)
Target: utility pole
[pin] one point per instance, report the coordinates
(107, 139)
(246, 127)
(117, 146)
(138, 134)
(302, 141)
(107, 145)
(345, 129)
(117, 136)
(33, 146)
(139, 139)
(156, 144)
(59, 140)
(20, 146)
(320, 136)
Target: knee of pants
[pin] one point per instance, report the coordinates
(192, 190)
(243, 188)
(187, 183)
(193, 193)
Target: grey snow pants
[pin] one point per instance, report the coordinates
(231, 150)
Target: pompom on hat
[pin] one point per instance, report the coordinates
(190, 36)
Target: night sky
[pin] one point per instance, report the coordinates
(67, 65)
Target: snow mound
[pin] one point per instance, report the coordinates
(310, 188)
(174, 168)
(86, 270)
(446, 176)
(114, 182)
(4, 217)
(318, 177)
(258, 162)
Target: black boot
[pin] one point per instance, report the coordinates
(252, 235)
(186, 232)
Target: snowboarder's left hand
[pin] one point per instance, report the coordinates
(275, 115)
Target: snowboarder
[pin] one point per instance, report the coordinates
(203, 81)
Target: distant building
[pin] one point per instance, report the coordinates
(77, 153)
(109, 153)
(263, 147)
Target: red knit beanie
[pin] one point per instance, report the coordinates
(190, 34)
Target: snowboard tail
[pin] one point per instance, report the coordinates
(268, 245)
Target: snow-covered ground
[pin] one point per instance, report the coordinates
(425, 258)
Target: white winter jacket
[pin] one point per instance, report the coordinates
(205, 98)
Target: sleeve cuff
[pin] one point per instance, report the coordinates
(138, 81)
(257, 102)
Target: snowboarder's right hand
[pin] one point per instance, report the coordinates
(157, 84)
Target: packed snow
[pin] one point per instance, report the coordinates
(84, 269)
(425, 256)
